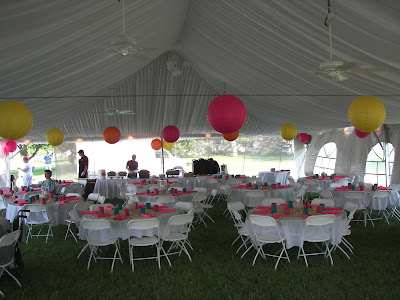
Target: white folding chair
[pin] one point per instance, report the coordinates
(269, 201)
(82, 206)
(318, 229)
(300, 194)
(253, 198)
(208, 204)
(144, 241)
(360, 198)
(325, 194)
(74, 188)
(101, 199)
(177, 239)
(312, 185)
(327, 202)
(211, 184)
(74, 219)
(380, 203)
(93, 197)
(294, 184)
(198, 202)
(181, 206)
(200, 189)
(9, 239)
(37, 216)
(242, 231)
(272, 237)
(226, 191)
(165, 200)
(90, 227)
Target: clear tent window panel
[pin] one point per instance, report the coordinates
(326, 159)
(379, 164)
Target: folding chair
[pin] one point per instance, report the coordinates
(327, 202)
(254, 198)
(37, 216)
(360, 198)
(380, 203)
(9, 239)
(90, 227)
(144, 241)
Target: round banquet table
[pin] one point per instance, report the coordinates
(277, 176)
(57, 212)
(339, 198)
(293, 230)
(150, 198)
(109, 187)
(324, 184)
(120, 230)
(239, 194)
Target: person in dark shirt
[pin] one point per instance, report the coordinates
(132, 167)
(83, 165)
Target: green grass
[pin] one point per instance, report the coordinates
(52, 272)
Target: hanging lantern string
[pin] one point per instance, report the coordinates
(224, 88)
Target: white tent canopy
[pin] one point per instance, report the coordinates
(56, 58)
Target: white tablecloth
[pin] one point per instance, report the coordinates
(339, 198)
(184, 198)
(268, 176)
(293, 230)
(109, 187)
(239, 194)
(57, 212)
(120, 229)
(323, 184)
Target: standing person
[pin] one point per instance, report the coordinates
(28, 171)
(132, 167)
(83, 165)
(47, 160)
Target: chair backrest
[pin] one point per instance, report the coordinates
(144, 224)
(264, 221)
(164, 199)
(3, 204)
(323, 233)
(191, 211)
(200, 197)
(269, 201)
(255, 193)
(96, 224)
(291, 180)
(74, 217)
(101, 199)
(200, 189)
(351, 207)
(81, 206)
(183, 206)
(35, 208)
(93, 196)
(320, 220)
(95, 207)
(237, 218)
(10, 239)
(382, 194)
(236, 206)
(326, 201)
(180, 220)
(74, 188)
(325, 194)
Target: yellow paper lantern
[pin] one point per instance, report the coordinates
(15, 120)
(55, 137)
(167, 146)
(288, 132)
(367, 113)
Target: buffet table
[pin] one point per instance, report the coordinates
(109, 187)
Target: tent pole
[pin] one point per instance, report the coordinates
(162, 155)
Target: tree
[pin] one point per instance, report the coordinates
(31, 150)
(184, 148)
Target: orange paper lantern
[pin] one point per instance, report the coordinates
(231, 136)
(112, 135)
(156, 144)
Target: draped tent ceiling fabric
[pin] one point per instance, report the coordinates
(55, 58)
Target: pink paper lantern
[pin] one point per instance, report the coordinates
(305, 138)
(226, 114)
(170, 134)
(11, 146)
(361, 134)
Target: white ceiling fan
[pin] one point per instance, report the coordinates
(338, 69)
(124, 45)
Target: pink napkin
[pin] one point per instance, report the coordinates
(22, 201)
(103, 215)
(73, 198)
(327, 212)
(313, 206)
(22, 204)
(277, 216)
(384, 188)
(261, 212)
(62, 201)
(333, 208)
(305, 216)
(142, 205)
(162, 206)
(7, 195)
(110, 207)
(166, 210)
(120, 217)
(147, 215)
(285, 186)
(264, 207)
(141, 193)
(89, 212)
(283, 204)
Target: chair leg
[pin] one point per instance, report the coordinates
(13, 277)
(258, 252)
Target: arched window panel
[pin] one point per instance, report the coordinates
(326, 159)
(379, 164)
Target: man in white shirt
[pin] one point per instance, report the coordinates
(28, 169)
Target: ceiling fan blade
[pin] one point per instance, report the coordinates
(365, 70)
(340, 77)
(126, 112)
